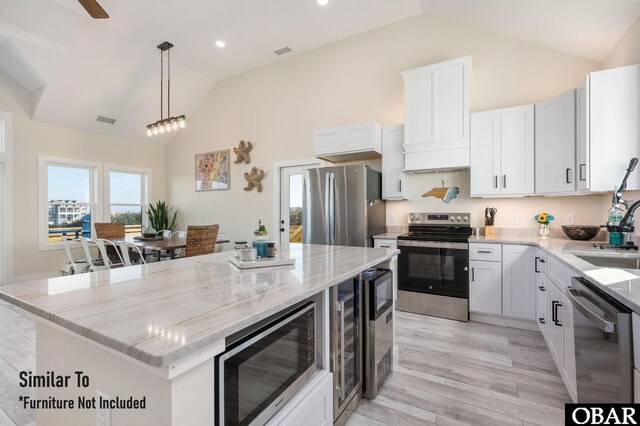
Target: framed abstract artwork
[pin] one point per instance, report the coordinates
(212, 170)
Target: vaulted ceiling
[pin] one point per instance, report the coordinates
(77, 68)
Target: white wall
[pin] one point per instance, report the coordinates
(627, 51)
(31, 139)
(279, 106)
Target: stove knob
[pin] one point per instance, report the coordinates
(466, 218)
(452, 218)
(411, 217)
(458, 218)
(418, 218)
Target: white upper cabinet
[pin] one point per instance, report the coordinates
(502, 152)
(352, 142)
(555, 144)
(437, 115)
(611, 127)
(485, 153)
(393, 179)
(582, 136)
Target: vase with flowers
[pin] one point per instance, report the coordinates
(544, 219)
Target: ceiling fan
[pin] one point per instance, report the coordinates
(94, 9)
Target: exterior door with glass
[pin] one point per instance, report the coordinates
(291, 195)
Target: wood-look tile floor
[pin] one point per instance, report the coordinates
(455, 373)
(448, 373)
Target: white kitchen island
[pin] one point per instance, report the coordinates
(152, 331)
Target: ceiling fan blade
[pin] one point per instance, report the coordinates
(94, 9)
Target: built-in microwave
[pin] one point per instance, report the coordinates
(262, 369)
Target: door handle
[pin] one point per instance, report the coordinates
(553, 310)
(542, 288)
(568, 175)
(542, 321)
(582, 167)
(342, 366)
(495, 181)
(400, 185)
(504, 181)
(281, 229)
(473, 274)
(484, 251)
(385, 246)
(536, 265)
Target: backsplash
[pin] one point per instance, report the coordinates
(585, 209)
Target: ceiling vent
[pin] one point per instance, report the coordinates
(282, 51)
(106, 120)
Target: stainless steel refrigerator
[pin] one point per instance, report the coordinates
(343, 206)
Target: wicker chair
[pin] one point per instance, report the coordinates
(201, 240)
(108, 230)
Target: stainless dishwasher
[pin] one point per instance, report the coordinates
(603, 345)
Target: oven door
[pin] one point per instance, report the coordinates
(258, 374)
(434, 267)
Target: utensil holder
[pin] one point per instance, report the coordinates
(489, 231)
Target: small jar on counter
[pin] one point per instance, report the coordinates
(271, 249)
(237, 248)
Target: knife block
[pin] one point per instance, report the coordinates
(490, 231)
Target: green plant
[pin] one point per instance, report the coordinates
(262, 230)
(159, 216)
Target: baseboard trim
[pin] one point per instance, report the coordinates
(504, 321)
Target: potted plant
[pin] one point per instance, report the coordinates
(160, 218)
(544, 219)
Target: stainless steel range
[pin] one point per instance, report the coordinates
(433, 266)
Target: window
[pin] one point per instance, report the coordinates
(69, 187)
(76, 194)
(127, 198)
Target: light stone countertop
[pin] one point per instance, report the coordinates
(626, 291)
(161, 312)
(388, 235)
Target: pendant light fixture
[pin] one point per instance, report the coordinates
(169, 124)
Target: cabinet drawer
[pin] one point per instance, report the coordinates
(384, 243)
(487, 252)
(560, 274)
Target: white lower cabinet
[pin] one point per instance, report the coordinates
(561, 337)
(485, 288)
(518, 283)
(636, 386)
(385, 243)
(542, 303)
(312, 406)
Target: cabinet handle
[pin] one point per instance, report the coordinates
(473, 274)
(568, 175)
(536, 264)
(542, 321)
(385, 246)
(400, 184)
(484, 251)
(542, 260)
(554, 313)
(504, 181)
(542, 288)
(582, 167)
(495, 181)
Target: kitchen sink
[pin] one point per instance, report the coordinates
(613, 261)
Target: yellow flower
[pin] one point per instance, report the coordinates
(542, 217)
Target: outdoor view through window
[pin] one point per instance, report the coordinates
(69, 197)
(69, 201)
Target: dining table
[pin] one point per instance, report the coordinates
(158, 245)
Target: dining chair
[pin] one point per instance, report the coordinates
(108, 231)
(94, 264)
(124, 250)
(77, 264)
(201, 240)
(166, 233)
(106, 259)
(179, 234)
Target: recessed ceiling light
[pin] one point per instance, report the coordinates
(220, 43)
(323, 2)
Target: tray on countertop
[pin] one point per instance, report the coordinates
(261, 263)
(156, 238)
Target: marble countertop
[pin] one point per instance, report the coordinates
(388, 235)
(161, 312)
(627, 291)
